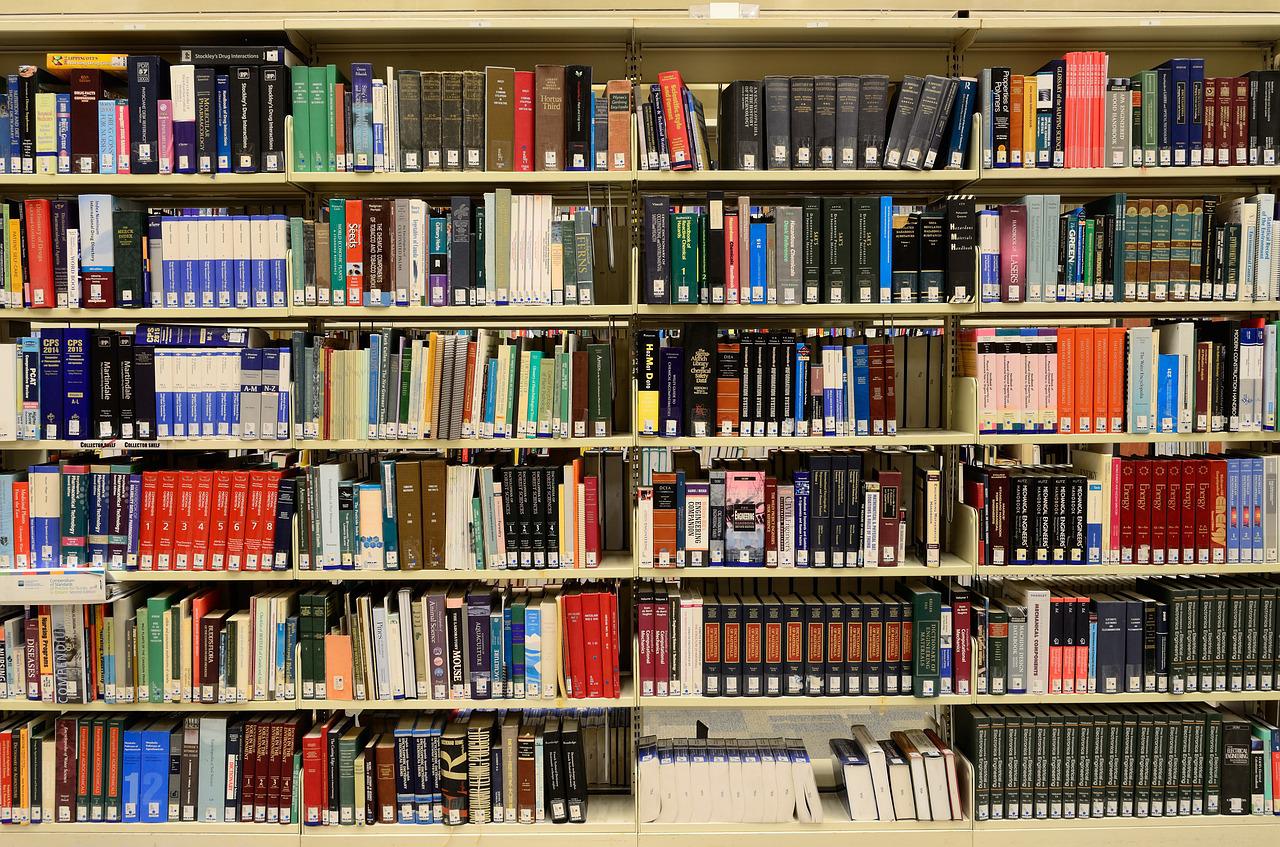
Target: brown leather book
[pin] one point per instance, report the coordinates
(548, 118)
(578, 393)
(473, 108)
(409, 514)
(499, 119)
(451, 119)
(432, 86)
(526, 776)
(435, 494)
(378, 266)
(86, 91)
(384, 774)
(617, 96)
(288, 743)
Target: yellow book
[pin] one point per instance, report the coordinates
(24, 764)
(44, 636)
(15, 262)
(429, 387)
(1029, 123)
(46, 132)
(62, 64)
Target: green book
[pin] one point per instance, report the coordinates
(128, 230)
(406, 369)
(331, 118)
(971, 731)
(1144, 249)
(599, 390)
(534, 395)
(518, 603)
(684, 257)
(844, 267)
(75, 515)
(99, 735)
(1090, 229)
(156, 607)
(512, 352)
(1161, 239)
(347, 520)
(337, 251)
(1181, 223)
(477, 538)
(349, 745)
(546, 398)
(297, 260)
(300, 79)
(111, 785)
(926, 637)
(997, 649)
(1147, 82)
(478, 234)
(568, 262)
(141, 641)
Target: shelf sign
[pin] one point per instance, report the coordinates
(54, 586)
(119, 444)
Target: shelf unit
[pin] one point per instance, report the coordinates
(806, 36)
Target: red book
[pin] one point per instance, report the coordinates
(1209, 142)
(166, 517)
(1128, 481)
(1240, 121)
(267, 538)
(1056, 619)
(271, 805)
(1142, 512)
(1159, 494)
(1013, 253)
(890, 392)
(201, 605)
(1082, 644)
(593, 643)
(64, 769)
(21, 525)
(591, 529)
(1173, 513)
(576, 644)
(249, 768)
(123, 163)
(661, 654)
(875, 356)
(339, 96)
(86, 91)
(288, 742)
(219, 512)
(183, 520)
(961, 640)
(1204, 511)
(679, 147)
(609, 643)
(97, 777)
(82, 762)
(355, 252)
(262, 770)
(770, 522)
(201, 512)
(39, 278)
(1222, 135)
(731, 257)
(147, 521)
(255, 515)
(6, 765)
(315, 773)
(524, 121)
(645, 629)
(1218, 511)
(1190, 488)
(236, 521)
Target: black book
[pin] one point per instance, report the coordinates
(873, 117)
(820, 497)
(961, 240)
(1000, 86)
(753, 642)
(575, 770)
(838, 539)
(777, 122)
(824, 122)
(699, 341)
(941, 124)
(846, 143)
(933, 257)
(206, 143)
(577, 117)
(873, 642)
(246, 137)
(904, 109)
(430, 107)
(473, 120)
(275, 102)
(657, 250)
(554, 776)
(740, 126)
(148, 85)
(772, 645)
(793, 628)
(105, 395)
(811, 249)
(144, 391)
(712, 254)
(802, 122)
(906, 258)
(460, 253)
(1236, 777)
(815, 629)
(31, 80)
(125, 385)
(453, 774)
(836, 236)
(731, 654)
(451, 120)
(409, 84)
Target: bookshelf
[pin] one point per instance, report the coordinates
(636, 41)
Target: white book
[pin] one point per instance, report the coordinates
(871, 525)
(757, 783)
(879, 769)
(1036, 599)
(786, 526)
(666, 783)
(900, 788)
(935, 771)
(808, 802)
(854, 775)
(408, 673)
(550, 646)
(417, 252)
(1265, 204)
(9, 366)
(784, 796)
(182, 89)
(1244, 211)
(417, 424)
(648, 791)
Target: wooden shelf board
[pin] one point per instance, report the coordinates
(904, 437)
(794, 703)
(1123, 570)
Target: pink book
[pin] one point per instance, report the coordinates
(122, 137)
(988, 372)
(164, 125)
(1013, 253)
(1049, 395)
(1013, 402)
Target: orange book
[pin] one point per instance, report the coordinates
(468, 384)
(1084, 375)
(1066, 379)
(337, 667)
(1103, 375)
(728, 386)
(664, 519)
(1016, 85)
(1115, 387)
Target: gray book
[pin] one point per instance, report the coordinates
(582, 253)
(941, 123)
(429, 111)
(715, 511)
(459, 381)
(1037, 291)
(1118, 103)
(788, 267)
(920, 134)
(846, 152)
(409, 100)
(211, 786)
(1017, 681)
(1049, 240)
(904, 112)
(400, 219)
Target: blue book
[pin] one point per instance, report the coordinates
(29, 347)
(196, 406)
(861, 389)
(759, 262)
(422, 779)
(362, 115)
(45, 487)
(390, 537)
(801, 385)
(1093, 530)
(259, 266)
(222, 121)
(99, 515)
(107, 136)
(241, 270)
(680, 509)
(130, 773)
(269, 394)
(62, 116)
(591, 160)
(278, 263)
(989, 261)
(6, 519)
(1257, 503)
(491, 388)
(886, 249)
(516, 670)
(1093, 652)
(224, 285)
(164, 396)
(379, 130)
(75, 382)
(1234, 472)
(375, 382)
(13, 147)
(153, 782)
(509, 640)
(1167, 393)
(406, 796)
(169, 270)
(961, 124)
(135, 522)
(1195, 103)
(208, 391)
(533, 650)
(4, 136)
(148, 83)
(1179, 117)
(182, 335)
(498, 634)
(189, 260)
(178, 397)
(660, 126)
(206, 264)
(830, 397)
(945, 654)
(51, 361)
(801, 481)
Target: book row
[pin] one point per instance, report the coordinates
(460, 642)
(1080, 762)
(810, 250)
(842, 122)
(410, 514)
(114, 113)
(699, 381)
(1184, 377)
(116, 769)
(726, 780)
(911, 775)
(1119, 248)
(839, 509)
(478, 767)
(1118, 636)
(1071, 113)
(120, 515)
(1205, 510)
(176, 645)
(714, 642)
(498, 119)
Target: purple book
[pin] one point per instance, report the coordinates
(671, 392)
(182, 88)
(1013, 253)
